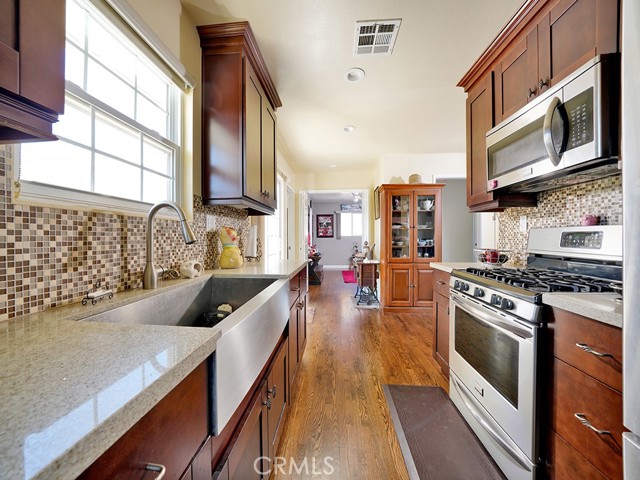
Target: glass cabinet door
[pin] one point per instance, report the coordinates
(425, 206)
(400, 226)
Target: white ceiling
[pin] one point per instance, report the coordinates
(408, 101)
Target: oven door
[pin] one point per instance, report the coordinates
(493, 381)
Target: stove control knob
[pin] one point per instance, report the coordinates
(456, 285)
(506, 304)
(495, 299)
(478, 292)
(464, 287)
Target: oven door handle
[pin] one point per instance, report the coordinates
(507, 327)
(505, 443)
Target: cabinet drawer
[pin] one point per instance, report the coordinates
(294, 289)
(570, 329)
(573, 392)
(441, 282)
(563, 463)
(304, 281)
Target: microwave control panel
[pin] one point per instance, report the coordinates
(579, 109)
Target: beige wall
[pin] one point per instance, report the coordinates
(425, 165)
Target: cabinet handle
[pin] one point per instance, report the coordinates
(273, 391)
(582, 418)
(532, 92)
(295, 289)
(156, 467)
(543, 83)
(440, 282)
(447, 310)
(590, 350)
(267, 403)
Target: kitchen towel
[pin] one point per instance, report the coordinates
(252, 242)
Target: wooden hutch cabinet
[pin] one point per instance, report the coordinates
(239, 101)
(411, 228)
(545, 41)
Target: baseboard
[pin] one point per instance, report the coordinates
(336, 267)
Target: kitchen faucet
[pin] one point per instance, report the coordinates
(150, 279)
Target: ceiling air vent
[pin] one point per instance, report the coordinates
(375, 37)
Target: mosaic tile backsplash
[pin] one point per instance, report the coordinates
(52, 256)
(561, 208)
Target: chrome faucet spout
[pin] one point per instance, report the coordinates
(149, 279)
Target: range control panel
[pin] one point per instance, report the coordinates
(590, 240)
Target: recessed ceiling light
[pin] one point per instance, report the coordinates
(355, 74)
(348, 128)
(333, 165)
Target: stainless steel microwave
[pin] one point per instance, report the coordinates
(566, 136)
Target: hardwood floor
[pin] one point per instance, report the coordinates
(338, 405)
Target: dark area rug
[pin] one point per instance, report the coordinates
(435, 439)
(348, 276)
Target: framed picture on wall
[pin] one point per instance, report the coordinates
(324, 225)
(376, 203)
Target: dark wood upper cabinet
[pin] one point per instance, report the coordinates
(32, 45)
(239, 101)
(545, 41)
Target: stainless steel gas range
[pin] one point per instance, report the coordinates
(496, 315)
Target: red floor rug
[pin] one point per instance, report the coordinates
(348, 276)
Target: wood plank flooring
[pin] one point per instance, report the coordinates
(338, 405)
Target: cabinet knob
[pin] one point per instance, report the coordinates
(300, 305)
(267, 403)
(543, 83)
(582, 418)
(156, 467)
(440, 282)
(273, 391)
(532, 92)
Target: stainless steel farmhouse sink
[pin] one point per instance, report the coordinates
(249, 334)
(186, 305)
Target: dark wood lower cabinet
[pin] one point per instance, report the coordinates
(170, 434)
(441, 332)
(564, 463)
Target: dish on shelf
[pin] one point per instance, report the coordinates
(426, 226)
(491, 256)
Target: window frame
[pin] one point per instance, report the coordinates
(41, 194)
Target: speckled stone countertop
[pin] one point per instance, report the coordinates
(70, 389)
(597, 306)
(451, 266)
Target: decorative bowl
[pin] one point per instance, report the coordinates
(491, 256)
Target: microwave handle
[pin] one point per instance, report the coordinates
(546, 132)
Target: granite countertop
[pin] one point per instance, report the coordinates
(450, 266)
(597, 306)
(70, 389)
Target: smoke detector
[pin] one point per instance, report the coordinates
(375, 37)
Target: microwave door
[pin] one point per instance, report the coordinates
(555, 129)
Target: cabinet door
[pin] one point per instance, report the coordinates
(277, 392)
(201, 464)
(516, 76)
(170, 434)
(479, 122)
(422, 286)
(302, 326)
(593, 22)
(561, 462)
(9, 55)
(246, 460)
(268, 191)
(399, 290)
(293, 342)
(398, 211)
(253, 136)
(425, 223)
(441, 332)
